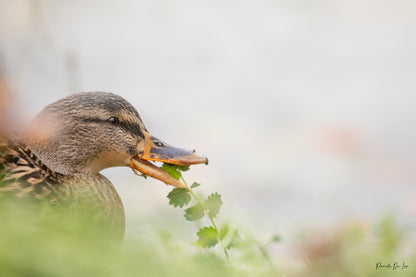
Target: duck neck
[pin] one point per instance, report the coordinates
(66, 159)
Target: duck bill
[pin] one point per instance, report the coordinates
(156, 150)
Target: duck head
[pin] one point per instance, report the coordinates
(85, 133)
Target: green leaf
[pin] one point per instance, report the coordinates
(195, 185)
(182, 167)
(179, 197)
(194, 213)
(207, 237)
(213, 204)
(172, 170)
(229, 236)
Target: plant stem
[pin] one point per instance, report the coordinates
(205, 212)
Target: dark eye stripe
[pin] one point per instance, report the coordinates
(129, 127)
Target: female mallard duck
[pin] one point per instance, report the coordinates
(70, 142)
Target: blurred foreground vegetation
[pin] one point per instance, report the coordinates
(54, 246)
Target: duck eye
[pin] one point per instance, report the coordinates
(113, 120)
(159, 144)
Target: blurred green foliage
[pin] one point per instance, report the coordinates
(52, 245)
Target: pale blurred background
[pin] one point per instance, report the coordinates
(306, 109)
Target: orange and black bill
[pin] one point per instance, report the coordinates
(157, 150)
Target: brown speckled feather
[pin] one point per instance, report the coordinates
(23, 175)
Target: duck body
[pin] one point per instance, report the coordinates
(25, 177)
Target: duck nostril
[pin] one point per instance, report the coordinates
(159, 144)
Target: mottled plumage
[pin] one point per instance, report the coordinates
(24, 176)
